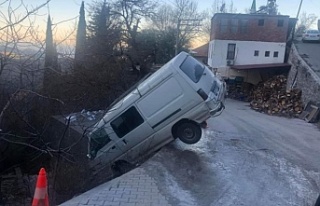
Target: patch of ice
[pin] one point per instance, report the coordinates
(182, 195)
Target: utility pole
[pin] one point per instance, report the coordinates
(299, 8)
(185, 24)
(298, 13)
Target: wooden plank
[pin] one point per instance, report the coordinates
(313, 115)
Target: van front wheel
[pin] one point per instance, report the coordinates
(188, 132)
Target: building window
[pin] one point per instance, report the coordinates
(280, 22)
(231, 51)
(224, 25)
(275, 54)
(261, 22)
(126, 122)
(267, 54)
(234, 25)
(243, 25)
(256, 53)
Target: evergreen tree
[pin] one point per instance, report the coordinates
(50, 62)
(81, 37)
(49, 50)
(104, 33)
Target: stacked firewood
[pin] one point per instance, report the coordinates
(271, 97)
(240, 92)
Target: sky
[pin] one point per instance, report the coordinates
(67, 9)
(64, 13)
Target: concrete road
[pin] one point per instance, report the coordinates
(244, 158)
(310, 53)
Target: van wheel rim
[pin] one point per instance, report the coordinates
(188, 133)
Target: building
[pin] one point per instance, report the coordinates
(245, 44)
(201, 53)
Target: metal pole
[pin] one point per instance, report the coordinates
(177, 37)
(298, 13)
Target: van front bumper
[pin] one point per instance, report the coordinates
(218, 110)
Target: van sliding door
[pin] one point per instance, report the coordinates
(130, 128)
(168, 100)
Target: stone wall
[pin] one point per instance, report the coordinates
(301, 76)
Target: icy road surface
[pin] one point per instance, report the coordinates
(244, 158)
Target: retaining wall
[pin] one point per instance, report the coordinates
(301, 76)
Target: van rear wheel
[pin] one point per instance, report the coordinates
(188, 132)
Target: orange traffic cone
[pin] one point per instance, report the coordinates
(41, 192)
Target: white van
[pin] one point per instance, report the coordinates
(174, 102)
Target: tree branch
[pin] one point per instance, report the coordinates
(33, 11)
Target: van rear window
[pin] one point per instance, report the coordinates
(192, 68)
(126, 122)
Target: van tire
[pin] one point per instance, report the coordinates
(121, 167)
(188, 132)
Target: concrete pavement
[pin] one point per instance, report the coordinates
(243, 158)
(133, 188)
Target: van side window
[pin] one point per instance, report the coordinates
(126, 122)
(192, 68)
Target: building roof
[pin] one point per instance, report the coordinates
(201, 51)
(260, 66)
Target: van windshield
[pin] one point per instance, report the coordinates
(192, 68)
(97, 139)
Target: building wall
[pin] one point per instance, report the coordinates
(246, 27)
(244, 53)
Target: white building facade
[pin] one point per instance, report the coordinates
(249, 41)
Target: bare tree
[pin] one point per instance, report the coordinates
(189, 22)
(306, 20)
(14, 35)
(209, 13)
(21, 49)
(164, 19)
(131, 12)
(21, 73)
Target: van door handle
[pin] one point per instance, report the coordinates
(124, 141)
